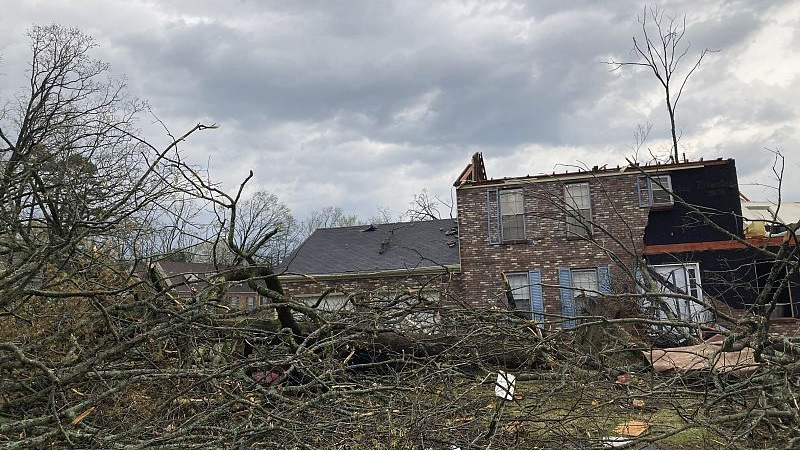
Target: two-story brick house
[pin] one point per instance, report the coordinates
(562, 237)
(547, 232)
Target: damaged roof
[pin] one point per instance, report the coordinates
(468, 178)
(375, 248)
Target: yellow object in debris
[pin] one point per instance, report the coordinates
(754, 229)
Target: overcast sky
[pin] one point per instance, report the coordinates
(360, 104)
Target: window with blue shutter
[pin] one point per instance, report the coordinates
(604, 279)
(584, 283)
(512, 215)
(567, 304)
(537, 300)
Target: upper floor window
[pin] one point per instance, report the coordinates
(512, 215)
(251, 302)
(655, 190)
(579, 209)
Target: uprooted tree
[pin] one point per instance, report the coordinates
(96, 352)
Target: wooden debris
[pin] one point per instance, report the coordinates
(705, 356)
(632, 428)
(81, 416)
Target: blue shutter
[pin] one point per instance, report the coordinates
(493, 215)
(604, 279)
(567, 304)
(537, 300)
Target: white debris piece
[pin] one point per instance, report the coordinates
(504, 387)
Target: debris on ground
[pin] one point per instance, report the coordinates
(631, 428)
(705, 356)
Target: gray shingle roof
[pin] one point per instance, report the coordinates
(365, 248)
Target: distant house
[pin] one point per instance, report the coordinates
(419, 257)
(186, 280)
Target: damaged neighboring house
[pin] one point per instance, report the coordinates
(417, 258)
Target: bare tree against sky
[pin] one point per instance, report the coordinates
(660, 48)
(425, 206)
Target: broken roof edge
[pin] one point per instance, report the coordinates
(474, 172)
(422, 270)
(593, 173)
(378, 226)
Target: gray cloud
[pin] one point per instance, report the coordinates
(363, 103)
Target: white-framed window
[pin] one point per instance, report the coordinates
(251, 302)
(262, 301)
(579, 209)
(520, 289)
(585, 285)
(234, 302)
(512, 215)
(655, 190)
(682, 279)
(584, 282)
(579, 287)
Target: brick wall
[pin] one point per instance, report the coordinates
(446, 285)
(619, 230)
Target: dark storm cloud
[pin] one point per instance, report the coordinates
(362, 103)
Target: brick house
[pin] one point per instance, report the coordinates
(417, 258)
(186, 279)
(561, 238)
(548, 234)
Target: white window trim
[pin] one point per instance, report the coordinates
(650, 180)
(591, 292)
(687, 309)
(500, 194)
(583, 229)
(525, 290)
